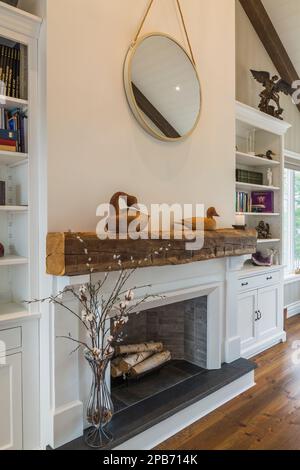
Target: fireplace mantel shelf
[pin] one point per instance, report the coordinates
(66, 254)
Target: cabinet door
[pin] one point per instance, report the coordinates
(11, 402)
(268, 311)
(247, 305)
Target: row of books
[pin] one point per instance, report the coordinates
(13, 129)
(242, 202)
(246, 176)
(256, 201)
(10, 69)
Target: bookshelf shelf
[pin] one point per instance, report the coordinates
(13, 208)
(255, 187)
(251, 160)
(259, 214)
(12, 310)
(12, 103)
(12, 158)
(271, 240)
(13, 260)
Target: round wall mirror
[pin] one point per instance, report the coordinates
(162, 87)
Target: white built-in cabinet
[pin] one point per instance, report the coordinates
(247, 307)
(11, 436)
(19, 384)
(19, 233)
(260, 311)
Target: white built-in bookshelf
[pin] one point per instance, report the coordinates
(257, 133)
(19, 167)
(20, 231)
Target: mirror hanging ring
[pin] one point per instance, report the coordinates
(162, 84)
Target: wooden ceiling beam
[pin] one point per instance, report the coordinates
(268, 35)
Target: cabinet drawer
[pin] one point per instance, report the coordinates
(10, 339)
(258, 281)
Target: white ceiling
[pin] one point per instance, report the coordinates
(285, 16)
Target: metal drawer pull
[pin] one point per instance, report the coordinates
(258, 315)
(269, 278)
(244, 284)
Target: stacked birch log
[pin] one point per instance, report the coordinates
(134, 360)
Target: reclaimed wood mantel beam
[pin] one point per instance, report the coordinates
(66, 254)
(268, 35)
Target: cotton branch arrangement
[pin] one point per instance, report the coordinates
(103, 316)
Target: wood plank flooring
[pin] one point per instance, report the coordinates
(267, 417)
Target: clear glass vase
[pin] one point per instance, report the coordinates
(100, 407)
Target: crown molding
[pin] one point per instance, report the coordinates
(18, 20)
(260, 120)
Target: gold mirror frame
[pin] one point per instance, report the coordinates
(127, 77)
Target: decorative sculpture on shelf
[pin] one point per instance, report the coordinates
(269, 155)
(270, 177)
(263, 258)
(264, 231)
(273, 87)
(1, 250)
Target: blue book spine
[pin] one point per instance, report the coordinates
(8, 134)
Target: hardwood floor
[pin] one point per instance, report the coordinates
(267, 417)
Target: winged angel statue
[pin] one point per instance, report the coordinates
(273, 87)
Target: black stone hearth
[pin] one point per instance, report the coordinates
(131, 392)
(139, 413)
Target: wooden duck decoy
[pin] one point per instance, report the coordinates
(122, 203)
(209, 223)
(117, 197)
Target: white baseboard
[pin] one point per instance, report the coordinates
(67, 423)
(293, 309)
(264, 345)
(171, 426)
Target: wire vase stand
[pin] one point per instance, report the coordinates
(100, 409)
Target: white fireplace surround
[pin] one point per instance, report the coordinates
(214, 293)
(70, 379)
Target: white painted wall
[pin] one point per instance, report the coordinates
(292, 295)
(36, 7)
(251, 54)
(95, 146)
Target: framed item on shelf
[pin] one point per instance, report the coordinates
(262, 201)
